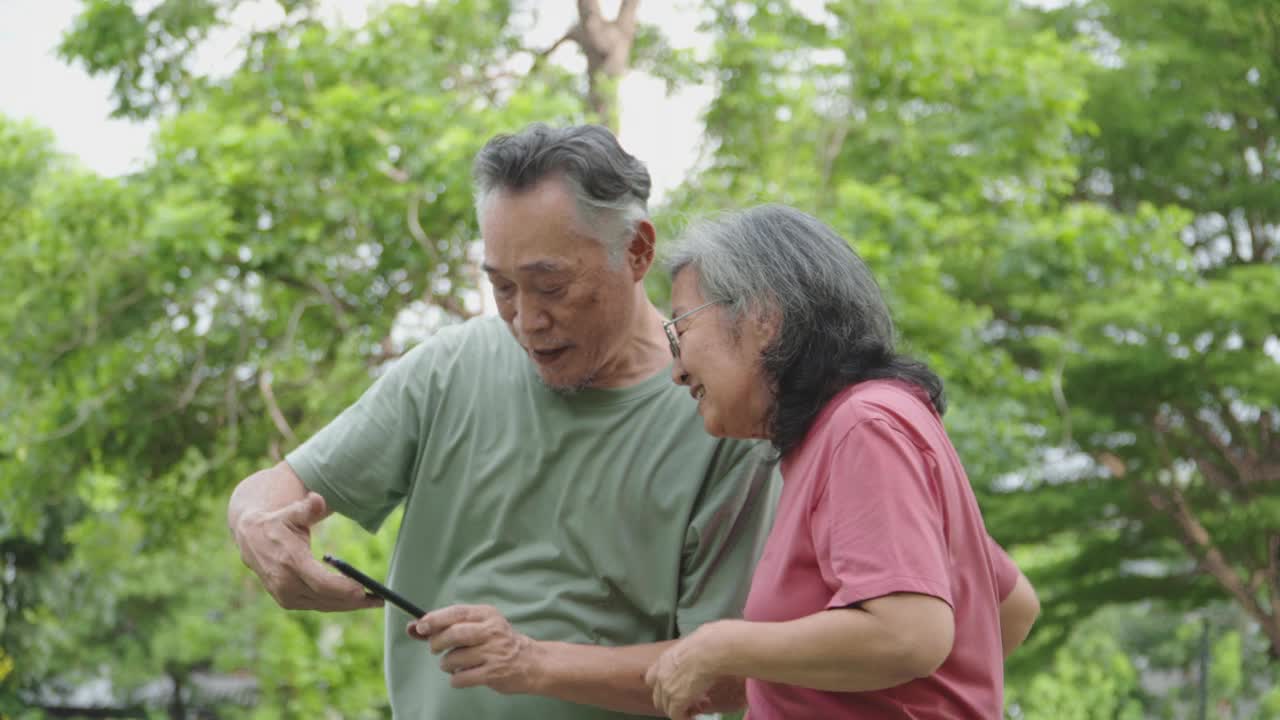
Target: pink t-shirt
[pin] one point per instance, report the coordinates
(875, 502)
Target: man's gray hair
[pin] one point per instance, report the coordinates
(833, 326)
(610, 187)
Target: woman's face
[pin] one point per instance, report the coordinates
(722, 372)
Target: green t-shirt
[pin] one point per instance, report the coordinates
(606, 517)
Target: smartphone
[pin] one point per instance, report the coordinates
(376, 587)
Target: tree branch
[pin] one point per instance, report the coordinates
(1239, 437)
(83, 412)
(1195, 538)
(627, 16)
(197, 378)
(1210, 437)
(588, 8)
(415, 227)
(273, 408)
(295, 318)
(1273, 580)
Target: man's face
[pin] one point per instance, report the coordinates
(566, 304)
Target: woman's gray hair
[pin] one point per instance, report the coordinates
(833, 326)
(610, 187)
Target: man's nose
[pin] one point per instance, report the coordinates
(531, 317)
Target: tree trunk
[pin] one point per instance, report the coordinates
(607, 45)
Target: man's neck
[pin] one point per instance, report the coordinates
(642, 354)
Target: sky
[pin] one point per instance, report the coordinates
(35, 84)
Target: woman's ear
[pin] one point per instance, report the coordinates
(765, 322)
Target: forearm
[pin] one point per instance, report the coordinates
(265, 490)
(844, 650)
(608, 677)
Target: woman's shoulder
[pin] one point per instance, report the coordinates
(891, 400)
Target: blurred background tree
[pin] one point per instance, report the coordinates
(1075, 213)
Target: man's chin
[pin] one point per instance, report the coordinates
(565, 384)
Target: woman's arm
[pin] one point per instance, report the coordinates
(1018, 613)
(883, 643)
(879, 644)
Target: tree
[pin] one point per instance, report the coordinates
(1174, 388)
(607, 47)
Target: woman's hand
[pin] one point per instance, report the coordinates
(683, 678)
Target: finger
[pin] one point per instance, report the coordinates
(461, 660)
(471, 677)
(331, 591)
(305, 512)
(677, 707)
(418, 630)
(651, 675)
(458, 636)
(438, 620)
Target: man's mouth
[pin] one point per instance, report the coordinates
(548, 355)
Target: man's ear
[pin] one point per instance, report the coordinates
(641, 249)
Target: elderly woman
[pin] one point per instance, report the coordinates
(879, 593)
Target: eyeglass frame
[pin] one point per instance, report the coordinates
(668, 326)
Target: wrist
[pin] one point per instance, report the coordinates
(721, 644)
(240, 522)
(539, 674)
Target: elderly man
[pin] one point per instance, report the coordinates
(565, 512)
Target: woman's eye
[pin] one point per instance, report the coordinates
(552, 292)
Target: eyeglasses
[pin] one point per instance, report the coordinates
(669, 327)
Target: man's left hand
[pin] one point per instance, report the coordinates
(480, 648)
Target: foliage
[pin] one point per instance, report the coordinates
(1073, 212)
(1144, 661)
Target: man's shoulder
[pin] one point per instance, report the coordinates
(469, 343)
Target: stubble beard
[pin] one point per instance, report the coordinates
(569, 389)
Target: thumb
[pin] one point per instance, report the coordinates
(306, 512)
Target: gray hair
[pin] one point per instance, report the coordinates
(610, 187)
(834, 328)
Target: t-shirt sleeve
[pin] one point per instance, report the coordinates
(724, 539)
(363, 462)
(1006, 571)
(878, 523)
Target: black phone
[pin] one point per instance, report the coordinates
(376, 587)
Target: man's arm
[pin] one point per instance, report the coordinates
(481, 648)
(1018, 613)
(270, 515)
(265, 490)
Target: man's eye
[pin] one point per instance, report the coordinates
(552, 292)
(504, 289)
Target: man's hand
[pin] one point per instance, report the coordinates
(277, 546)
(685, 683)
(480, 648)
